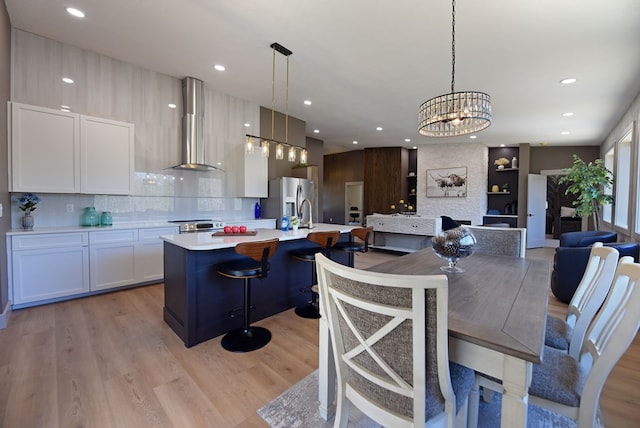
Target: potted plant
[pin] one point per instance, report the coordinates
(295, 222)
(505, 187)
(27, 203)
(589, 182)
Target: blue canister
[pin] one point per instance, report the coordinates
(256, 211)
(106, 219)
(90, 217)
(285, 224)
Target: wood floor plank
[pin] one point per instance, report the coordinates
(111, 361)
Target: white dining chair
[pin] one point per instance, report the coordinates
(567, 334)
(499, 241)
(390, 347)
(571, 386)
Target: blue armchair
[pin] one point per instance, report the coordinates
(569, 264)
(587, 238)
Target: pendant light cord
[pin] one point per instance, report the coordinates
(273, 91)
(286, 117)
(453, 44)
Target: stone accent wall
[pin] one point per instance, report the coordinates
(447, 155)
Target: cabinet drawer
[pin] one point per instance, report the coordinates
(49, 240)
(113, 236)
(154, 233)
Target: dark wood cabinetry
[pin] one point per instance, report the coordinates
(385, 178)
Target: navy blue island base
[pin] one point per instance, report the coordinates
(199, 302)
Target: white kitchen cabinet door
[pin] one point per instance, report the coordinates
(112, 258)
(106, 148)
(44, 151)
(149, 254)
(253, 176)
(49, 266)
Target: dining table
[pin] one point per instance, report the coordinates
(497, 315)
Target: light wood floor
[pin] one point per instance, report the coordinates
(110, 361)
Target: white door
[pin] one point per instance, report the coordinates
(536, 211)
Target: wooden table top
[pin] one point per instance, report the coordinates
(498, 302)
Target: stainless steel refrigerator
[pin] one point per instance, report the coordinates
(286, 196)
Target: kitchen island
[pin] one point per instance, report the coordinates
(199, 303)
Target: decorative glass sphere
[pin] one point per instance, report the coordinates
(453, 245)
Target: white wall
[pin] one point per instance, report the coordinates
(110, 88)
(447, 155)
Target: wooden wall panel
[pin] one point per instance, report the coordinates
(385, 172)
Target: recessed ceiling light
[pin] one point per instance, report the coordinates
(501, 145)
(567, 114)
(246, 125)
(67, 80)
(378, 128)
(355, 142)
(172, 105)
(75, 12)
(565, 133)
(407, 140)
(568, 80)
(64, 106)
(219, 67)
(66, 110)
(415, 147)
(316, 131)
(307, 102)
(473, 137)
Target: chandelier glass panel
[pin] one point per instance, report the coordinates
(264, 143)
(455, 113)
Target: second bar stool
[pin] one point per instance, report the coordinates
(353, 246)
(324, 242)
(255, 265)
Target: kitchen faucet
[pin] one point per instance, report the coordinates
(310, 224)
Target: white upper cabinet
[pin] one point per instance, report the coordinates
(56, 152)
(106, 156)
(253, 175)
(44, 154)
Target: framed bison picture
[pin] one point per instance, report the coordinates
(447, 182)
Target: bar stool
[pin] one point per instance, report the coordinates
(256, 265)
(324, 241)
(361, 233)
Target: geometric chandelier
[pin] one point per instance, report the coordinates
(455, 113)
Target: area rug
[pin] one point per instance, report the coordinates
(298, 408)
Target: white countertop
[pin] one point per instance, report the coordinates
(67, 229)
(205, 240)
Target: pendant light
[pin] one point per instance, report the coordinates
(455, 113)
(264, 143)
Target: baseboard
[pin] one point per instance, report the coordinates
(4, 316)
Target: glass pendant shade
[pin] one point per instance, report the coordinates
(453, 114)
(303, 156)
(264, 148)
(279, 151)
(249, 145)
(292, 154)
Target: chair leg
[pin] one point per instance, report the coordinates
(311, 309)
(247, 338)
(473, 406)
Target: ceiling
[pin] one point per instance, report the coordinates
(370, 63)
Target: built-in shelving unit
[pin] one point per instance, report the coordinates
(501, 202)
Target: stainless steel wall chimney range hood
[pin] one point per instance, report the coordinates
(193, 127)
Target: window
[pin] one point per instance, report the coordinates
(622, 176)
(607, 209)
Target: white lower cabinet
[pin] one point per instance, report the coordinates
(112, 258)
(49, 266)
(149, 253)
